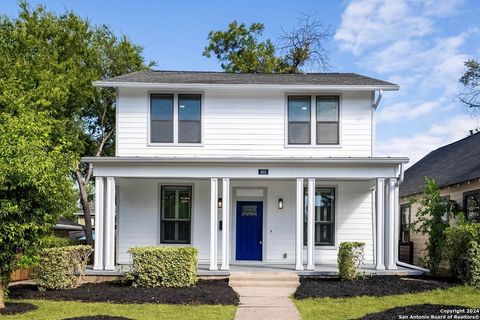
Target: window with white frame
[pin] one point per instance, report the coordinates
(299, 120)
(175, 124)
(324, 217)
(321, 124)
(176, 214)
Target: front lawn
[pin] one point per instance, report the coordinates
(48, 310)
(357, 307)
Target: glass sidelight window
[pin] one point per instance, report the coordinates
(324, 217)
(176, 213)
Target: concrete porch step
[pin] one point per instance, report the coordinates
(263, 278)
(263, 284)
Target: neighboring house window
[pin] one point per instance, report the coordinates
(471, 205)
(299, 119)
(405, 216)
(189, 118)
(327, 119)
(161, 118)
(324, 217)
(181, 124)
(176, 213)
(322, 125)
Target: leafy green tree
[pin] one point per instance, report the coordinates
(35, 185)
(240, 49)
(471, 82)
(432, 220)
(58, 57)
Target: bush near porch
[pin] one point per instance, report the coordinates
(61, 267)
(157, 266)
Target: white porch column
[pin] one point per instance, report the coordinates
(98, 263)
(380, 237)
(390, 226)
(225, 224)
(311, 225)
(213, 223)
(299, 226)
(110, 225)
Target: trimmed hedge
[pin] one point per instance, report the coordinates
(160, 266)
(462, 250)
(350, 257)
(61, 267)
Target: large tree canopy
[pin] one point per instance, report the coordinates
(50, 116)
(241, 49)
(471, 82)
(55, 58)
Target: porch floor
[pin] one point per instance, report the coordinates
(320, 270)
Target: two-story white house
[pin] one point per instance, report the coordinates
(248, 168)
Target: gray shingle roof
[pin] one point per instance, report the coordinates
(450, 164)
(210, 77)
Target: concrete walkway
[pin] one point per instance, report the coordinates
(265, 295)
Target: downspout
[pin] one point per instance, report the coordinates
(398, 262)
(375, 102)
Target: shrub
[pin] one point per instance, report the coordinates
(55, 242)
(350, 257)
(163, 266)
(61, 267)
(462, 251)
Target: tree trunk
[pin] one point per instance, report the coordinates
(86, 208)
(2, 292)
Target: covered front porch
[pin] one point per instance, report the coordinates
(290, 214)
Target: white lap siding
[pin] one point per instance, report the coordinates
(243, 123)
(139, 214)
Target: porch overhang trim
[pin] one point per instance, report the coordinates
(251, 160)
(242, 168)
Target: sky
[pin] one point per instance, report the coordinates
(419, 44)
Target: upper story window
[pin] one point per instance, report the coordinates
(161, 118)
(327, 119)
(299, 116)
(320, 127)
(175, 118)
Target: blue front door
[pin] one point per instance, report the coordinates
(249, 230)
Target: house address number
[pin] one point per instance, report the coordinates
(263, 172)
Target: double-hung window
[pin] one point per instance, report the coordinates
(324, 217)
(327, 119)
(176, 214)
(320, 127)
(175, 118)
(161, 118)
(471, 205)
(299, 119)
(405, 223)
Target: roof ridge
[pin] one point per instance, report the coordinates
(252, 73)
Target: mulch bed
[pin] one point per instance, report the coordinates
(98, 317)
(371, 286)
(421, 311)
(17, 308)
(205, 292)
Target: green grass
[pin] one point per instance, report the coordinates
(52, 310)
(353, 308)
